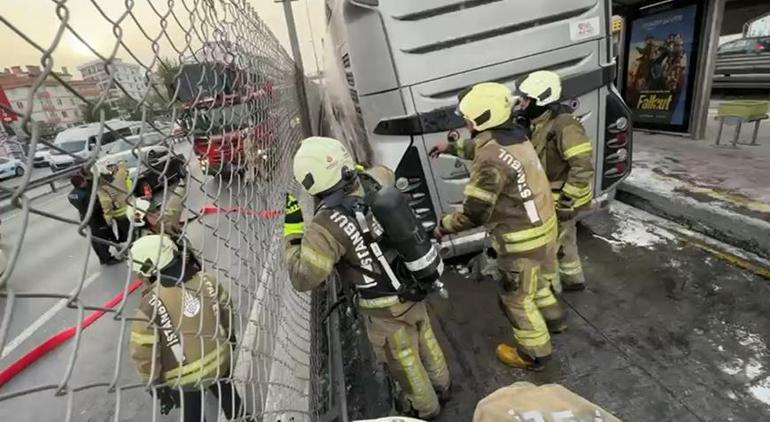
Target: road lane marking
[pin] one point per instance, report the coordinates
(32, 328)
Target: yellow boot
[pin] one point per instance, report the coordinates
(510, 356)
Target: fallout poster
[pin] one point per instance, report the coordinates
(660, 67)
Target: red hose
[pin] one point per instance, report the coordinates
(57, 339)
(213, 209)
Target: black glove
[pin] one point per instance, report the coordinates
(167, 398)
(564, 209)
(292, 218)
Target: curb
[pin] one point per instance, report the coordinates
(742, 231)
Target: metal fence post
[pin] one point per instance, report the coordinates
(297, 54)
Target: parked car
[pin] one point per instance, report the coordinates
(756, 45)
(77, 142)
(131, 151)
(42, 157)
(743, 64)
(11, 167)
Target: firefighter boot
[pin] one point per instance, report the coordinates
(512, 357)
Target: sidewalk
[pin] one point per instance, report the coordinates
(720, 191)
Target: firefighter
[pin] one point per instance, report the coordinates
(508, 193)
(101, 232)
(156, 201)
(344, 235)
(181, 336)
(566, 152)
(112, 190)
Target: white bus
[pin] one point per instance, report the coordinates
(405, 61)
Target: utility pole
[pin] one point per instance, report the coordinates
(300, 70)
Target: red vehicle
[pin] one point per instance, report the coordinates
(228, 119)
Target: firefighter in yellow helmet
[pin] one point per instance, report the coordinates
(344, 234)
(508, 193)
(566, 152)
(181, 336)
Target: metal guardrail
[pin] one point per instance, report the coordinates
(6, 192)
(742, 71)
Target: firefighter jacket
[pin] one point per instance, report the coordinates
(181, 333)
(566, 152)
(335, 239)
(113, 194)
(508, 193)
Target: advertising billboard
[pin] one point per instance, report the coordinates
(660, 66)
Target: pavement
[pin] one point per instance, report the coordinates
(664, 331)
(720, 191)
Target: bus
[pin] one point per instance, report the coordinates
(404, 62)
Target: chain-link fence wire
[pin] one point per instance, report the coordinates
(208, 146)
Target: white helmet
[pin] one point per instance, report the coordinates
(321, 163)
(486, 105)
(543, 86)
(152, 253)
(101, 168)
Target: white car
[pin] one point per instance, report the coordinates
(42, 157)
(131, 150)
(11, 167)
(79, 141)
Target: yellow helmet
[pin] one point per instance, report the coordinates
(321, 163)
(486, 105)
(152, 253)
(544, 86)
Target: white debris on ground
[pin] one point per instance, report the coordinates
(634, 230)
(761, 391)
(750, 370)
(732, 367)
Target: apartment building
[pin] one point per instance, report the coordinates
(130, 76)
(52, 102)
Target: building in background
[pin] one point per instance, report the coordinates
(130, 76)
(52, 103)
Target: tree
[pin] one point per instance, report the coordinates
(48, 129)
(91, 114)
(168, 68)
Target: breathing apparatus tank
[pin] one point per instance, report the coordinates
(407, 237)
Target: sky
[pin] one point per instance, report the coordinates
(39, 21)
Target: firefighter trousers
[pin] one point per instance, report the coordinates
(528, 302)
(225, 392)
(403, 339)
(570, 268)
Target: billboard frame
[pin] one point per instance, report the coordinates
(694, 61)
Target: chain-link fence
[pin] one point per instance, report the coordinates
(194, 117)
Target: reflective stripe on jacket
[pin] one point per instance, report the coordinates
(181, 333)
(567, 154)
(334, 240)
(508, 192)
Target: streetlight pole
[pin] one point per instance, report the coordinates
(300, 70)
